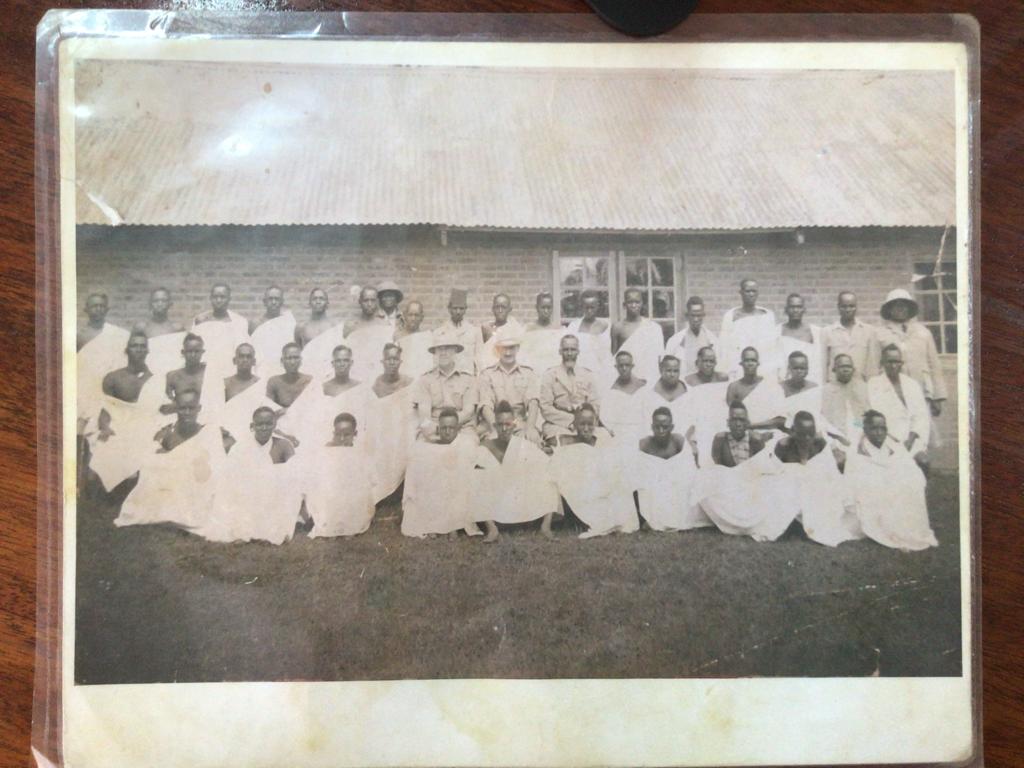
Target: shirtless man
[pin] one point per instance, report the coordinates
(96, 308)
(639, 335)
(158, 324)
(286, 387)
(796, 382)
(318, 321)
(545, 310)
(662, 442)
(187, 407)
(273, 303)
(501, 307)
(626, 381)
(391, 380)
(220, 298)
(341, 360)
(264, 422)
(706, 373)
(669, 385)
(794, 326)
(633, 302)
(191, 376)
(590, 304)
(369, 311)
(739, 389)
(748, 325)
(126, 383)
(243, 378)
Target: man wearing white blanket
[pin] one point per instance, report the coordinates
(664, 472)
(222, 330)
(339, 482)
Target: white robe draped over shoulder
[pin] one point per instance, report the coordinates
(438, 486)
(220, 339)
(517, 489)
(416, 356)
(888, 491)
(235, 415)
(647, 345)
(539, 349)
(133, 425)
(102, 354)
(824, 509)
(318, 352)
(165, 353)
(740, 330)
(255, 499)
(665, 491)
(595, 353)
(268, 339)
(339, 483)
(391, 430)
(624, 414)
(597, 486)
(754, 498)
(311, 417)
(710, 415)
(178, 486)
(367, 345)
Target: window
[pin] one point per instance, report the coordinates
(608, 274)
(936, 295)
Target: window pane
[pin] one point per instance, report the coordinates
(929, 306)
(664, 304)
(570, 270)
(662, 272)
(668, 328)
(645, 310)
(636, 272)
(936, 334)
(949, 275)
(949, 331)
(925, 269)
(570, 306)
(949, 306)
(597, 270)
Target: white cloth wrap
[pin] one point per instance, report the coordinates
(595, 353)
(165, 354)
(235, 416)
(595, 483)
(268, 340)
(416, 357)
(134, 426)
(339, 484)
(665, 490)
(178, 486)
(517, 489)
(102, 354)
(437, 492)
(220, 339)
(367, 345)
(647, 345)
(625, 416)
(539, 349)
(390, 431)
(824, 509)
(311, 417)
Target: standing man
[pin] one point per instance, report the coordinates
(222, 331)
(509, 381)
(165, 335)
(845, 399)
(707, 360)
(389, 296)
(367, 335)
(540, 340)
(748, 325)
(318, 335)
(797, 336)
(638, 335)
(101, 348)
(244, 392)
(901, 401)
(158, 323)
(563, 389)
(468, 336)
(851, 337)
(687, 343)
(271, 331)
(594, 335)
(415, 342)
(501, 308)
(392, 422)
(447, 386)
(286, 388)
(916, 344)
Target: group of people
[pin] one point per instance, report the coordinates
(241, 430)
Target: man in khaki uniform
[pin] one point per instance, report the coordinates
(447, 385)
(565, 388)
(511, 381)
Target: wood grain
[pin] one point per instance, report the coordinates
(1001, 311)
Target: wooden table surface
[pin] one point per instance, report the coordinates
(1002, 312)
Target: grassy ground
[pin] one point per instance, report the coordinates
(158, 605)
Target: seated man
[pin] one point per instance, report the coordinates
(706, 362)
(844, 400)
(565, 388)
(508, 380)
(128, 416)
(193, 376)
(817, 485)
(244, 392)
(762, 395)
(743, 491)
(622, 405)
(668, 391)
(888, 489)
(290, 387)
(437, 482)
(338, 479)
(446, 386)
(257, 496)
(706, 402)
(665, 471)
(311, 415)
(589, 477)
(510, 480)
(177, 482)
(901, 400)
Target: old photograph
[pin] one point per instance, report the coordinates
(547, 372)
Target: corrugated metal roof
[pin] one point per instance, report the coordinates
(186, 143)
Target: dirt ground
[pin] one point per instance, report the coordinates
(155, 604)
